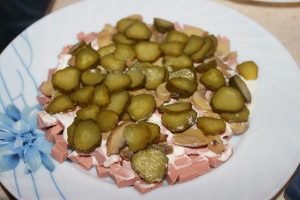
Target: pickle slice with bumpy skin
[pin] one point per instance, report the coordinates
(172, 48)
(62, 83)
(141, 106)
(124, 52)
(150, 164)
(187, 73)
(83, 96)
(241, 116)
(248, 70)
(107, 120)
(106, 50)
(137, 78)
(181, 87)
(137, 136)
(176, 107)
(101, 95)
(123, 24)
(162, 25)
(61, 103)
(193, 45)
(227, 99)
(178, 121)
(87, 136)
(179, 62)
(147, 51)
(92, 77)
(116, 81)
(210, 125)
(213, 79)
(121, 38)
(88, 112)
(177, 36)
(239, 84)
(118, 102)
(138, 31)
(154, 130)
(87, 58)
(203, 67)
(109, 62)
(155, 75)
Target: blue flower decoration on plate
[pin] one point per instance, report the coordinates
(20, 139)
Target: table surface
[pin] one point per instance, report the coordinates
(280, 19)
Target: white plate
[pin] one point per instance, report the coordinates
(264, 158)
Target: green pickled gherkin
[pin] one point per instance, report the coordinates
(88, 112)
(141, 106)
(147, 51)
(176, 107)
(155, 75)
(124, 52)
(154, 130)
(106, 50)
(101, 96)
(181, 87)
(187, 73)
(172, 48)
(178, 62)
(178, 121)
(92, 77)
(70, 133)
(118, 102)
(61, 103)
(137, 78)
(137, 136)
(162, 25)
(177, 36)
(210, 125)
(87, 58)
(116, 81)
(213, 79)
(121, 38)
(62, 83)
(110, 63)
(237, 117)
(193, 45)
(123, 24)
(83, 96)
(107, 120)
(138, 31)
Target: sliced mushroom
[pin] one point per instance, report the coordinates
(116, 141)
(191, 138)
(126, 154)
(239, 128)
(162, 93)
(200, 102)
(216, 144)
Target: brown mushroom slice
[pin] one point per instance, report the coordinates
(191, 138)
(165, 147)
(162, 93)
(126, 154)
(115, 141)
(239, 128)
(200, 102)
(216, 144)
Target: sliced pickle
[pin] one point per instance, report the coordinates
(86, 58)
(141, 106)
(248, 70)
(187, 73)
(103, 51)
(176, 36)
(200, 102)
(137, 136)
(70, 133)
(179, 62)
(241, 116)
(83, 96)
(239, 84)
(176, 107)
(181, 87)
(138, 31)
(92, 77)
(124, 52)
(107, 120)
(116, 81)
(203, 67)
(178, 121)
(75, 48)
(115, 140)
(193, 45)
(137, 78)
(155, 75)
(227, 99)
(212, 50)
(239, 128)
(88, 112)
(162, 93)
(47, 88)
(87, 136)
(118, 102)
(213, 79)
(121, 38)
(190, 138)
(62, 83)
(172, 48)
(123, 24)
(162, 25)
(101, 95)
(200, 55)
(147, 51)
(210, 125)
(150, 164)
(109, 62)
(62, 103)
(154, 130)
(164, 147)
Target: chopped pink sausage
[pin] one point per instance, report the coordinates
(73, 158)
(201, 165)
(172, 174)
(66, 49)
(85, 161)
(43, 99)
(182, 162)
(86, 37)
(144, 187)
(100, 156)
(124, 176)
(60, 140)
(102, 171)
(187, 173)
(45, 120)
(214, 162)
(178, 27)
(51, 132)
(59, 153)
